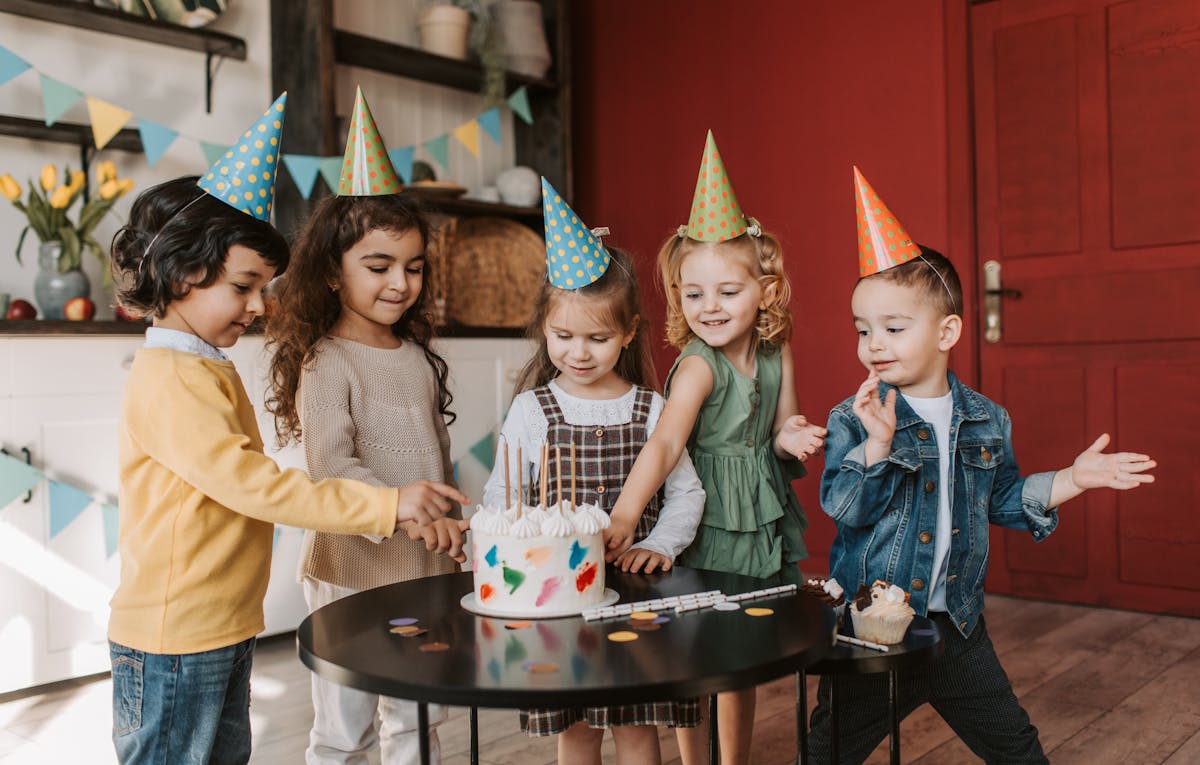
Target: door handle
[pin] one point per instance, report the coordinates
(993, 296)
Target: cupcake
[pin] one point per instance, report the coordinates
(829, 592)
(881, 613)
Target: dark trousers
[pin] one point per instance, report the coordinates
(966, 685)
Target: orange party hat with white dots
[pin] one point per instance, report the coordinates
(244, 177)
(882, 240)
(366, 170)
(716, 214)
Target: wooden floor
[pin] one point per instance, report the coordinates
(1103, 686)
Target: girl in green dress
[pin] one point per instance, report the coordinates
(732, 404)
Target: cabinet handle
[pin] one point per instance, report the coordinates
(28, 461)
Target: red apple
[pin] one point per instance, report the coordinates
(79, 309)
(21, 309)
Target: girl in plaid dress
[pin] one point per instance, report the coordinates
(588, 385)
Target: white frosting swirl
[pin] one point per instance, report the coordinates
(590, 519)
(525, 528)
(833, 589)
(557, 525)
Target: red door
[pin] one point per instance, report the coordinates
(1087, 128)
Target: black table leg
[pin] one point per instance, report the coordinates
(423, 731)
(833, 721)
(801, 718)
(894, 714)
(714, 736)
(474, 735)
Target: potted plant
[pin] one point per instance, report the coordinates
(455, 28)
(47, 207)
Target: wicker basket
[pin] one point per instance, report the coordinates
(497, 267)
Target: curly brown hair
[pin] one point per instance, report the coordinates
(616, 300)
(763, 254)
(308, 307)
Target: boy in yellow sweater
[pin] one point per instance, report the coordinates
(198, 498)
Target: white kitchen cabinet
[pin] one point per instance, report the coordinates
(60, 397)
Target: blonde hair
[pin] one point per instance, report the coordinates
(765, 256)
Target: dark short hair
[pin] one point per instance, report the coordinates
(191, 233)
(934, 275)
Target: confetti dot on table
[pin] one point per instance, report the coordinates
(434, 647)
(403, 621)
(517, 625)
(407, 630)
(623, 636)
(662, 620)
(759, 611)
(726, 605)
(643, 615)
(542, 669)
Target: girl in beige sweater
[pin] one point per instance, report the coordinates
(354, 374)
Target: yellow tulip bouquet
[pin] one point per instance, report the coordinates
(48, 206)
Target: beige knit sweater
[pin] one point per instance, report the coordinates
(372, 414)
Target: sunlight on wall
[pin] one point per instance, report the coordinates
(75, 587)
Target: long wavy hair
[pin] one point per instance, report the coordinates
(764, 257)
(308, 307)
(614, 300)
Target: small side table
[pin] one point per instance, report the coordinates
(922, 644)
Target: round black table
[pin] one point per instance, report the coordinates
(922, 644)
(697, 653)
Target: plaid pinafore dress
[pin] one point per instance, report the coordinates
(605, 454)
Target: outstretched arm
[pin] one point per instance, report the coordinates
(690, 386)
(1093, 469)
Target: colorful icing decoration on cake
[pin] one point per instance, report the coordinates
(532, 555)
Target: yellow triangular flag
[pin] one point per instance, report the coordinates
(107, 120)
(468, 135)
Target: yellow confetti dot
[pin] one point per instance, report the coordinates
(759, 611)
(624, 636)
(643, 615)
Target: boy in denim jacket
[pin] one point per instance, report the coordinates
(912, 481)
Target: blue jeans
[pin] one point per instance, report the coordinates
(186, 708)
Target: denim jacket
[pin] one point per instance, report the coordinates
(886, 514)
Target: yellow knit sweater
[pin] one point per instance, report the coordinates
(197, 502)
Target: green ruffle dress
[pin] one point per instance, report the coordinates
(752, 523)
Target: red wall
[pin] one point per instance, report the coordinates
(795, 92)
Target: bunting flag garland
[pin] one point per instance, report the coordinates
(156, 139)
(484, 450)
(439, 149)
(212, 152)
(331, 171)
(11, 65)
(303, 169)
(112, 529)
(57, 97)
(66, 503)
(16, 478)
(107, 120)
(468, 135)
(490, 122)
(519, 103)
(402, 160)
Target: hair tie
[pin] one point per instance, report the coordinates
(681, 232)
(600, 231)
(753, 229)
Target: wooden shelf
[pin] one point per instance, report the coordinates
(84, 16)
(474, 208)
(127, 139)
(65, 327)
(401, 60)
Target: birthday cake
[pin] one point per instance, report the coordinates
(532, 562)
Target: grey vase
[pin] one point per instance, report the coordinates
(52, 289)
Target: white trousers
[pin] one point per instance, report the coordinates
(344, 719)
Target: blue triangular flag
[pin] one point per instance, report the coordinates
(484, 450)
(155, 139)
(439, 149)
(66, 503)
(57, 97)
(16, 478)
(331, 171)
(303, 170)
(112, 528)
(519, 103)
(402, 160)
(212, 151)
(490, 122)
(10, 65)
(457, 480)
(278, 530)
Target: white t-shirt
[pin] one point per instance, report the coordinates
(937, 412)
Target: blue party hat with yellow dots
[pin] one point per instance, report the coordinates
(574, 256)
(244, 178)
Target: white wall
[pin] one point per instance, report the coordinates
(167, 85)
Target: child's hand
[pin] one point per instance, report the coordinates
(634, 558)
(423, 502)
(618, 536)
(877, 417)
(1123, 470)
(444, 535)
(799, 437)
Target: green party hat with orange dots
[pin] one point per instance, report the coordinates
(366, 171)
(716, 214)
(882, 240)
(574, 256)
(244, 178)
